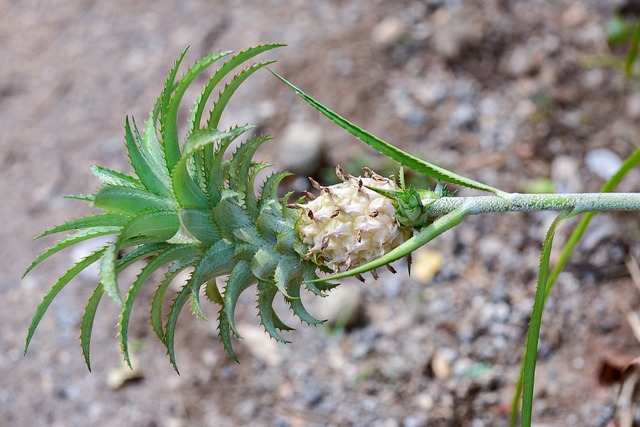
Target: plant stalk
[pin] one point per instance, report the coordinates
(515, 202)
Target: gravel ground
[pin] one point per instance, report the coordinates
(497, 90)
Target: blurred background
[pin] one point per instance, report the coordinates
(523, 95)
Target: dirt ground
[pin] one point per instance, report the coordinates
(503, 91)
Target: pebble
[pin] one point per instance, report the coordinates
(600, 230)
(83, 250)
(632, 106)
(521, 62)
(261, 345)
(565, 173)
(301, 148)
(343, 307)
(603, 162)
(454, 32)
(389, 31)
(464, 116)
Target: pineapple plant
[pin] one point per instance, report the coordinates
(190, 206)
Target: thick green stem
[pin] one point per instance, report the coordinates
(515, 202)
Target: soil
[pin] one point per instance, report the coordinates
(504, 91)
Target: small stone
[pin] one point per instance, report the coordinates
(566, 174)
(600, 230)
(521, 62)
(84, 249)
(632, 107)
(389, 31)
(343, 307)
(441, 366)
(301, 148)
(260, 345)
(455, 32)
(464, 115)
(576, 15)
(603, 162)
(426, 263)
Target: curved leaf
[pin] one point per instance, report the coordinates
(143, 169)
(170, 121)
(87, 324)
(71, 240)
(239, 280)
(199, 224)
(172, 320)
(173, 253)
(55, 289)
(229, 90)
(389, 150)
(161, 291)
(109, 220)
(130, 201)
(111, 177)
(268, 317)
(227, 67)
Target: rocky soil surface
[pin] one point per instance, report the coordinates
(507, 92)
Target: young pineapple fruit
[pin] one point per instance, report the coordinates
(350, 224)
(189, 207)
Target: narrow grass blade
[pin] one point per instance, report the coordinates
(533, 333)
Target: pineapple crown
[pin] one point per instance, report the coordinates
(190, 207)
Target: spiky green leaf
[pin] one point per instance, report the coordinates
(268, 317)
(169, 255)
(55, 289)
(100, 220)
(239, 280)
(187, 191)
(170, 146)
(145, 171)
(161, 291)
(172, 320)
(130, 201)
(111, 177)
(215, 168)
(226, 68)
(229, 90)
(72, 239)
(200, 225)
(86, 326)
